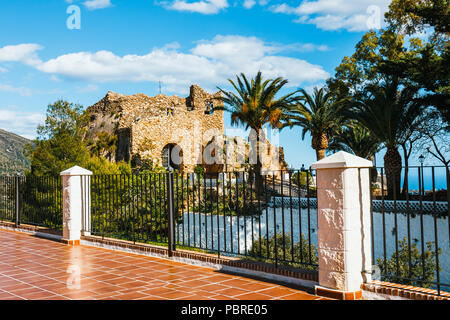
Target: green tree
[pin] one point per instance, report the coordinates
(415, 15)
(389, 112)
(356, 139)
(302, 178)
(429, 67)
(100, 165)
(59, 144)
(254, 104)
(363, 67)
(280, 248)
(320, 114)
(422, 63)
(411, 271)
(105, 146)
(419, 64)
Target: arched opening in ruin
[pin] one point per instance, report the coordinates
(172, 156)
(211, 163)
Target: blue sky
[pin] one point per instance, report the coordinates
(127, 46)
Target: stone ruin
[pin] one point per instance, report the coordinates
(172, 131)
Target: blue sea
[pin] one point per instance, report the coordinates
(440, 180)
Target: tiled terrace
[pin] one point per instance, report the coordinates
(35, 269)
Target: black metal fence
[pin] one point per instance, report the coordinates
(270, 218)
(31, 200)
(266, 218)
(411, 226)
(131, 207)
(8, 198)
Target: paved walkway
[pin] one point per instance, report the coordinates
(34, 268)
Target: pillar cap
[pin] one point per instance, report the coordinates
(342, 159)
(76, 171)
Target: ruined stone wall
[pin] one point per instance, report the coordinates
(188, 126)
(145, 125)
(155, 122)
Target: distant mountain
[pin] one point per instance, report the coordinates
(12, 160)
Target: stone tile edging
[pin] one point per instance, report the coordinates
(306, 279)
(377, 290)
(34, 230)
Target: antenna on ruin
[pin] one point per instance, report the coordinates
(159, 87)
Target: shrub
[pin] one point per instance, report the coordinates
(419, 274)
(298, 254)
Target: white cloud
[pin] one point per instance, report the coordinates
(207, 6)
(203, 6)
(249, 3)
(97, 4)
(21, 123)
(352, 15)
(304, 47)
(25, 53)
(94, 4)
(3, 70)
(209, 64)
(25, 92)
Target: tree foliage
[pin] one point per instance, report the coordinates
(356, 139)
(280, 247)
(319, 114)
(61, 144)
(389, 112)
(255, 104)
(413, 53)
(410, 266)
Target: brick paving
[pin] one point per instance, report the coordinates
(33, 268)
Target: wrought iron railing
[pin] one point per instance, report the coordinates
(410, 227)
(31, 200)
(226, 213)
(270, 218)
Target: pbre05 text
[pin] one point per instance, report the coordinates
(245, 309)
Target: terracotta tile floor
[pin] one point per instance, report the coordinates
(35, 268)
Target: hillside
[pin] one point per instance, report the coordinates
(12, 160)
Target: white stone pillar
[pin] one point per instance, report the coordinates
(76, 203)
(344, 239)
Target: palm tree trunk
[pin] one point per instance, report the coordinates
(320, 144)
(373, 171)
(393, 165)
(405, 178)
(320, 154)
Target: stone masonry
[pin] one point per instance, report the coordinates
(147, 127)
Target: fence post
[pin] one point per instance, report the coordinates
(76, 203)
(86, 205)
(344, 225)
(17, 196)
(170, 214)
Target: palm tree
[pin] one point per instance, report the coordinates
(254, 104)
(389, 111)
(356, 139)
(320, 115)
